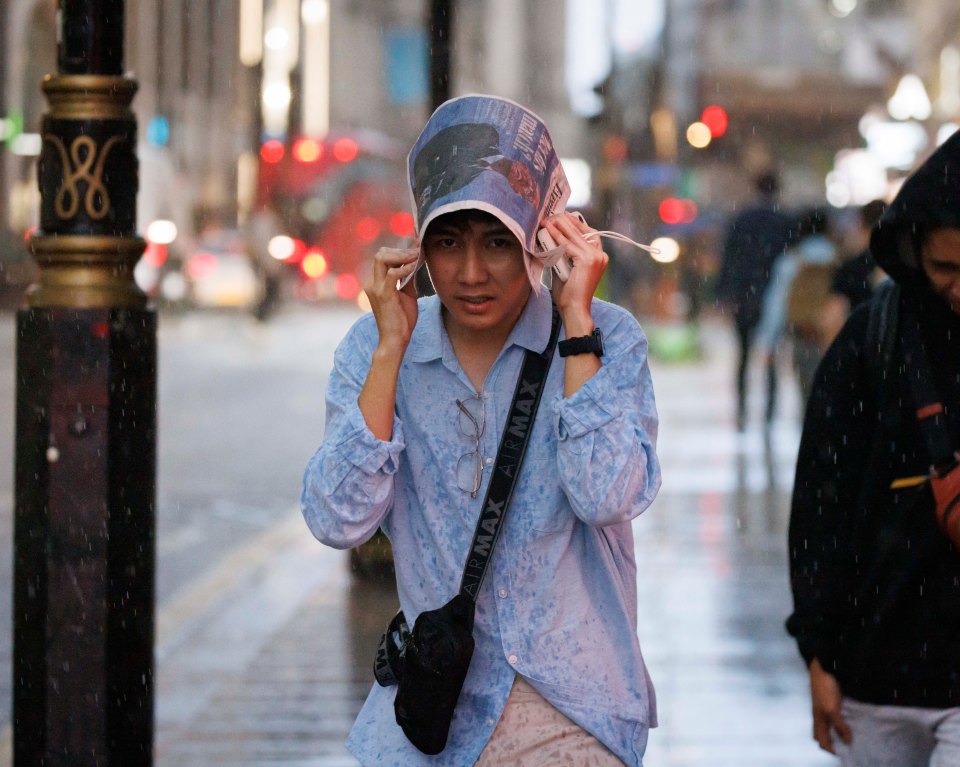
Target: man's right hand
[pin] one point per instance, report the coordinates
(395, 310)
(396, 315)
(826, 696)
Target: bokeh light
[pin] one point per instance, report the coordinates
(307, 150)
(667, 250)
(715, 118)
(314, 264)
(345, 150)
(698, 135)
(281, 247)
(346, 286)
(272, 151)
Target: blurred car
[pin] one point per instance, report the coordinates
(337, 201)
(220, 272)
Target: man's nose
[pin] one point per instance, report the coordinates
(473, 269)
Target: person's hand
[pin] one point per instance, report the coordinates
(589, 262)
(826, 696)
(395, 310)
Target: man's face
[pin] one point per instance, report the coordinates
(476, 265)
(940, 259)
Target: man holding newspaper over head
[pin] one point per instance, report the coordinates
(495, 407)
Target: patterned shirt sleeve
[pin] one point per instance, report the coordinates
(607, 431)
(348, 483)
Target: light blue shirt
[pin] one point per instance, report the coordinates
(559, 602)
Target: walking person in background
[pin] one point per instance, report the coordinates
(794, 298)
(807, 296)
(874, 542)
(416, 407)
(756, 237)
(855, 277)
(261, 227)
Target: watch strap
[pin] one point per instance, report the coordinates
(592, 344)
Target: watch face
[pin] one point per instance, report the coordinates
(598, 339)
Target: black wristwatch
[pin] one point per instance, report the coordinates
(582, 345)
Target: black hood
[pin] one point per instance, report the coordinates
(929, 199)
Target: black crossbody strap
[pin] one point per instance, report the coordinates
(513, 446)
(929, 406)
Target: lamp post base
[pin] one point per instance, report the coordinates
(84, 537)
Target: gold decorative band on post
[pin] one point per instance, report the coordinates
(86, 272)
(89, 97)
(84, 162)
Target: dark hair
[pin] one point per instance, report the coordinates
(459, 219)
(767, 183)
(871, 212)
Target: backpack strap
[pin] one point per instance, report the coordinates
(879, 350)
(881, 341)
(929, 406)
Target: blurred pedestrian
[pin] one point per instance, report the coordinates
(874, 552)
(756, 237)
(856, 276)
(556, 673)
(262, 225)
(815, 256)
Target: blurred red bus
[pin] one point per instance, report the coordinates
(338, 200)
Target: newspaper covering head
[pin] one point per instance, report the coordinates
(489, 154)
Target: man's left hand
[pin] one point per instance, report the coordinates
(589, 262)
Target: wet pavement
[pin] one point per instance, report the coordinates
(276, 670)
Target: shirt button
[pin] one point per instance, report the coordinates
(488, 461)
(512, 660)
(502, 593)
(490, 722)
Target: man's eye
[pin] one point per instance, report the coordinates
(499, 242)
(444, 242)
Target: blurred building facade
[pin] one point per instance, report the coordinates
(343, 65)
(794, 80)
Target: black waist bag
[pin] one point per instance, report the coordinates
(430, 663)
(436, 658)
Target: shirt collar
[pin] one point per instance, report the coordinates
(532, 330)
(428, 338)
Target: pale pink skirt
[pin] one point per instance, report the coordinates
(532, 733)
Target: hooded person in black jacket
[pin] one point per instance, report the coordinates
(876, 583)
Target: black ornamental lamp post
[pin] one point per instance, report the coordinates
(84, 546)
(441, 28)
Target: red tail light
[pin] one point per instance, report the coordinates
(272, 151)
(155, 254)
